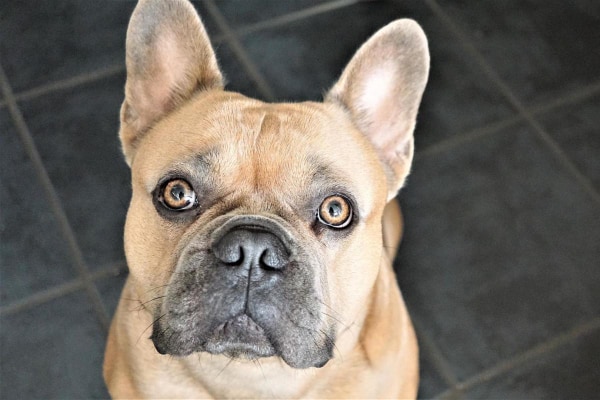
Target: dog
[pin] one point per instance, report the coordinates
(259, 236)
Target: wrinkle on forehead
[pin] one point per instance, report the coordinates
(284, 151)
(299, 151)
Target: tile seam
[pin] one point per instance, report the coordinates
(295, 16)
(547, 347)
(475, 134)
(41, 297)
(568, 99)
(550, 144)
(439, 361)
(54, 201)
(238, 50)
(52, 293)
(449, 394)
(69, 83)
(568, 164)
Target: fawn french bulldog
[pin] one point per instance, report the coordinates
(260, 236)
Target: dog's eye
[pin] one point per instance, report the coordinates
(178, 195)
(335, 211)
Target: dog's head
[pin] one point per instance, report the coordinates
(254, 229)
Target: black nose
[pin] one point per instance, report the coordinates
(250, 248)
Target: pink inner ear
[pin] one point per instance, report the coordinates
(154, 91)
(171, 71)
(376, 88)
(380, 103)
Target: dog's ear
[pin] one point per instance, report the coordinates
(169, 58)
(381, 89)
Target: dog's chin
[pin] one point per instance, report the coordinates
(240, 337)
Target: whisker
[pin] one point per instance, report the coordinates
(346, 327)
(225, 367)
(148, 327)
(329, 340)
(156, 298)
(158, 287)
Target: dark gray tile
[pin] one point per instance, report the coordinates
(211, 27)
(52, 351)
(76, 134)
(44, 41)
(110, 289)
(431, 384)
(240, 13)
(570, 372)
(33, 255)
(500, 250)
(303, 59)
(575, 128)
(538, 50)
(236, 78)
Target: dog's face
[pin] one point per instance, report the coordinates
(262, 232)
(254, 229)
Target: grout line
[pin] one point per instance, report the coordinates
(70, 82)
(550, 143)
(41, 297)
(294, 16)
(531, 354)
(559, 153)
(53, 199)
(238, 50)
(450, 394)
(458, 139)
(457, 391)
(55, 292)
(575, 96)
(439, 361)
(567, 99)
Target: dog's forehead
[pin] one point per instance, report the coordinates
(248, 142)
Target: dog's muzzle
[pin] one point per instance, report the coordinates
(246, 291)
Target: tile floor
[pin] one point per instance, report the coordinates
(500, 261)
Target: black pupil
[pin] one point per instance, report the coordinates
(335, 209)
(178, 192)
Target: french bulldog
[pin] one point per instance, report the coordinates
(259, 236)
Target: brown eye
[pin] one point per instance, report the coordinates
(335, 211)
(178, 195)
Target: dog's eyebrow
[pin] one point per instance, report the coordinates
(205, 159)
(325, 178)
(197, 166)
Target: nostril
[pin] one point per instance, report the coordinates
(251, 248)
(272, 259)
(235, 258)
(229, 252)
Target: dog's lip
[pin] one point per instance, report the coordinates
(240, 322)
(240, 337)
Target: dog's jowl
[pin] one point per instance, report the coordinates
(260, 236)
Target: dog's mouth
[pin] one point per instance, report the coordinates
(240, 337)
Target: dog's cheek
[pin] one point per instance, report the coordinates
(353, 270)
(147, 244)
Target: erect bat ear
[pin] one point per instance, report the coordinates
(381, 88)
(169, 58)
